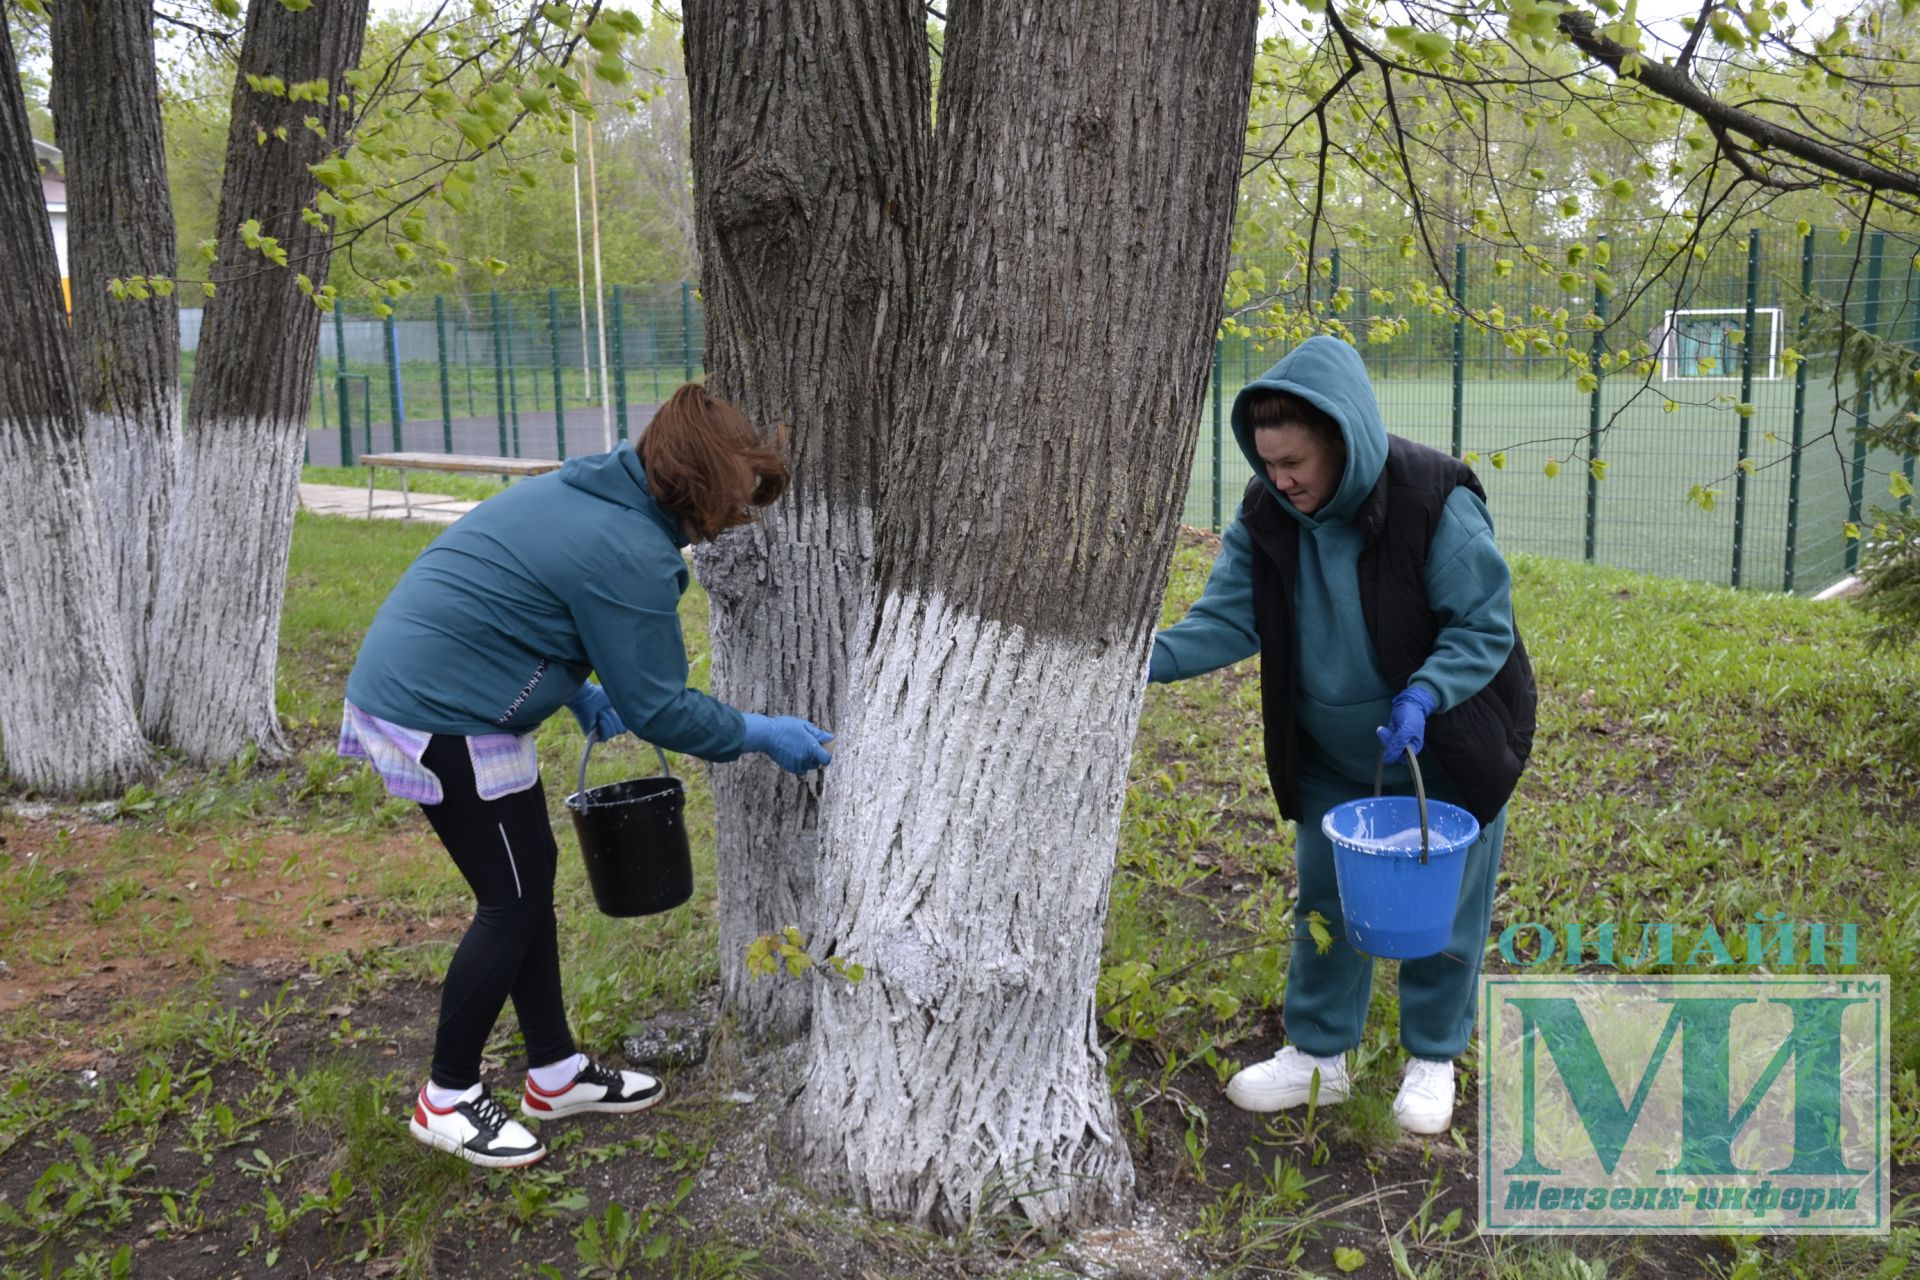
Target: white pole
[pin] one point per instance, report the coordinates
(599, 290)
(580, 260)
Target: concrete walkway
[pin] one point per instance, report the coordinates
(388, 504)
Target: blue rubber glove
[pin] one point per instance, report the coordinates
(1160, 667)
(1406, 724)
(794, 744)
(594, 710)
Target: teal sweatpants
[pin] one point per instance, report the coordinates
(1326, 998)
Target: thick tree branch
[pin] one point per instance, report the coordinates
(1678, 87)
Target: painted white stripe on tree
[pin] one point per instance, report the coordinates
(974, 815)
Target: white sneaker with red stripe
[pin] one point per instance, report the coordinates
(594, 1088)
(477, 1129)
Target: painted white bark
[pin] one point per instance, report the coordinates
(68, 719)
(235, 496)
(974, 810)
(782, 597)
(133, 472)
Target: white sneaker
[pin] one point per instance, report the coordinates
(477, 1129)
(1285, 1079)
(1425, 1101)
(596, 1088)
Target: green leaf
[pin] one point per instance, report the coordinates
(1552, 468)
(1499, 459)
(1348, 1259)
(1597, 469)
(557, 14)
(1899, 486)
(296, 6)
(1852, 531)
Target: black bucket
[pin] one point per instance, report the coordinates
(633, 837)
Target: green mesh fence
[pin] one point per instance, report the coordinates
(1674, 499)
(522, 374)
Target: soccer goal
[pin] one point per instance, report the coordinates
(1699, 344)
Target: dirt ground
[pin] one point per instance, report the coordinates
(311, 1034)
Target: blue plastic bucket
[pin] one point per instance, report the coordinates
(1398, 898)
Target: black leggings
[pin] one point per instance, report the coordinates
(505, 849)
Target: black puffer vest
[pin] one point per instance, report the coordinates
(1483, 743)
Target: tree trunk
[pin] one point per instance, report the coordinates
(106, 106)
(810, 139)
(1076, 240)
(65, 711)
(210, 688)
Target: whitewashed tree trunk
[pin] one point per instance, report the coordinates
(106, 107)
(805, 254)
(1076, 229)
(65, 712)
(210, 685)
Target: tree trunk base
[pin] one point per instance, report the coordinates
(216, 636)
(70, 724)
(974, 813)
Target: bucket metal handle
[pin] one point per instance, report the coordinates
(593, 737)
(1379, 772)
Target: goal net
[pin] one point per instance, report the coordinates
(1702, 343)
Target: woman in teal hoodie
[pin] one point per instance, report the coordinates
(493, 629)
(1362, 568)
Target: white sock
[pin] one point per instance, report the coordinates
(557, 1075)
(441, 1099)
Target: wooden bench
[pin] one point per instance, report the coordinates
(465, 462)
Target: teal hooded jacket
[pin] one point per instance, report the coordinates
(496, 625)
(1343, 695)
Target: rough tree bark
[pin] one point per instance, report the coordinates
(210, 684)
(1075, 244)
(810, 138)
(65, 711)
(106, 108)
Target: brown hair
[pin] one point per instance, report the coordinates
(1272, 409)
(707, 465)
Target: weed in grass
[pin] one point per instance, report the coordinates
(75, 1201)
(111, 896)
(27, 1106)
(212, 1129)
(32, 884)
(154, 1093)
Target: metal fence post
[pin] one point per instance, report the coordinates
(686, 326)
(1595, 411)
(1862, 409)
(1746, 399)
(499, 374)
(1799, 410)
(446, 392)
(1459, 348)
(513, 387)
(553, 353)
(340, 385)
(618, 358)
(393, 376)
(1219, 379)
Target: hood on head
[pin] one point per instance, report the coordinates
(1330, 375)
